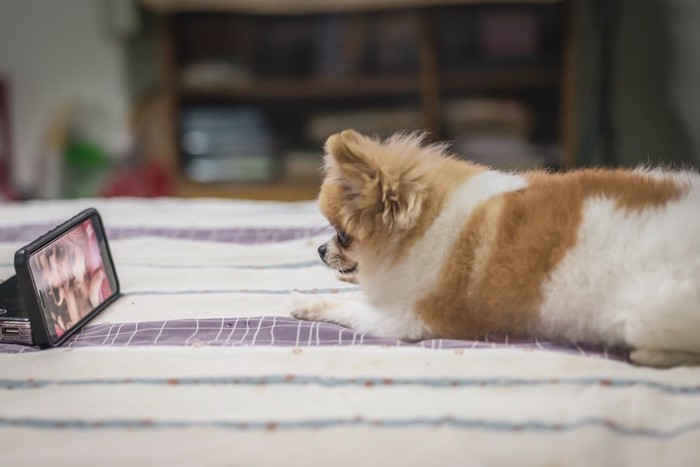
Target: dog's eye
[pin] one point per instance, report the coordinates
(343, 239)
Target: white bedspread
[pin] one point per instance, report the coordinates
(200, 364)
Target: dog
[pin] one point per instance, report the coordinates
(445, 248)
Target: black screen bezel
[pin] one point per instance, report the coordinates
(30, 293)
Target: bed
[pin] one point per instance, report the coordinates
(199, 363)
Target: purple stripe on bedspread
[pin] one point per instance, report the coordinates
(282, 331)
(244, 235)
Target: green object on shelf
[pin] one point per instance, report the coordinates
(83, 155)
(86, 165)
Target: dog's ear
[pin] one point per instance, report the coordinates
(351, 153)
(382, 183)
(402, 199)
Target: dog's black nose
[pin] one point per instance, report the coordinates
(322, 252)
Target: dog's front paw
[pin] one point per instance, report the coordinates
(309, 308)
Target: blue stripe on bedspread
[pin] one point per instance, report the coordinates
(314, 291)
(691, 390)
(241, 235)
(283, 331)
(532, 426)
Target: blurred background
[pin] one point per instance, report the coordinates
(235, 98)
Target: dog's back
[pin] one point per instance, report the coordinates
(599, 256)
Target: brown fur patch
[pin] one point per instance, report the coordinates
(332, 204)
(493, 285)
(633, 191)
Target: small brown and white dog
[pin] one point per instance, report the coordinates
(446, 248)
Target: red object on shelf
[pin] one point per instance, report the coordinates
(147, 181)
(5, 141)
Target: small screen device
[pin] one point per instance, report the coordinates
(64, 279)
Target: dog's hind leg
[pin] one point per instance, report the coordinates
(662, 320)
(664, 358)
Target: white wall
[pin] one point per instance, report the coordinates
(54, 52)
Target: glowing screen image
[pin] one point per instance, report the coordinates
(69, 274)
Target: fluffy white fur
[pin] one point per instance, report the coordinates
(632, 278)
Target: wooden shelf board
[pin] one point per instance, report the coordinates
(515, 78)
(310, 6)
(308, 87)
(283, 190)
(301, 88)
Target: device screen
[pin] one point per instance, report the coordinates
(73, 276)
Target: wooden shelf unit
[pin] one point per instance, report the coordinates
(426, 86)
